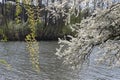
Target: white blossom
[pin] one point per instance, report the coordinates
(93, 31)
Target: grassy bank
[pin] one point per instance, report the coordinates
(18, 32)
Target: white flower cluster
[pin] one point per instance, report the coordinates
(102, 26)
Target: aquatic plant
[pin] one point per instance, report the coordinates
(5, 63)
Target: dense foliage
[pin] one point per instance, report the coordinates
(101, 28)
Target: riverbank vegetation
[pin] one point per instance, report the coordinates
(15, 22)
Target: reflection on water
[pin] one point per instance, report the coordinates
(51, 67)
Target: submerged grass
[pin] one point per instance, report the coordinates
(5, 63)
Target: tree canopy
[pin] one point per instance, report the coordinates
(101, 28)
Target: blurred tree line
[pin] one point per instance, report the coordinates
(47, 29)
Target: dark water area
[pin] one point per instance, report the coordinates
(51, 67)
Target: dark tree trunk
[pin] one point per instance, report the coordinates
(46, 14)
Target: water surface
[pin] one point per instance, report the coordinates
(51, 67)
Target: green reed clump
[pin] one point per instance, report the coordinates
(3, 36)
(18, 11)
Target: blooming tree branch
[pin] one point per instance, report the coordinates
(99, 29)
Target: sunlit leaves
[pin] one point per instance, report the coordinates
(32, 44)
